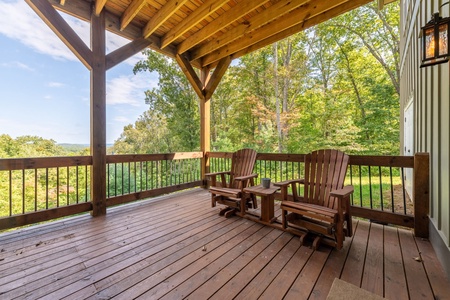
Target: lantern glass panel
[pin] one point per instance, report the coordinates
(443, 39)
(429, 43)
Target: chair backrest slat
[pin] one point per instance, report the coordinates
(325, 171)
(242, 164)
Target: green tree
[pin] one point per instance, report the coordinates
(149, 134)
(173, 101)
(331, 86)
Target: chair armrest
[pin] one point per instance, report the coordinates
(342, 193)
(218, 173)
(284, 188)
(288, 182)
(214, 177)
(241, 178)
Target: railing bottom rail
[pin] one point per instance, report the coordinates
(44, 215)
(150, 193)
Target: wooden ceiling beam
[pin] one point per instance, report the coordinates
(217, 75)
(60, 27)
(191, 75)
(170, 8)
(230, 16)
(82, 10)
(332, 13)
(273, 12)
(204, 11)
(131, 12)
(99, 5)
(126, 51)
(295, 17)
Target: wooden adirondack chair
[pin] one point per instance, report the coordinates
(240, 176)
(324, 208)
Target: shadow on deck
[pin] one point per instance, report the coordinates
(176, 246)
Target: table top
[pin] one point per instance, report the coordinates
(262, 191)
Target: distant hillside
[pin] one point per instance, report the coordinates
(76, 148)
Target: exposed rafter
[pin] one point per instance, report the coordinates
(99, 5)
(170, 8)
(266, 16)
(294, 17)
(206, 31)
(131, 12)
(207, 9)
(349, 5)
(238, 11)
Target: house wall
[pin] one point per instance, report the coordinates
(428, 89)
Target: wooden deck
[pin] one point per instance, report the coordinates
(177, 246)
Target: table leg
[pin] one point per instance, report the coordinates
(267, 208)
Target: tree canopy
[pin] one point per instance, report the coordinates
(332, 86)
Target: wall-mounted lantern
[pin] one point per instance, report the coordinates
(435, 47)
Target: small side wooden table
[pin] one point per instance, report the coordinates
(267, 200)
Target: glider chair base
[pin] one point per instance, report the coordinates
(295, 225)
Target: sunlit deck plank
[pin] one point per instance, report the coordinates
(248, 271)
(416, 277)
(210, 272)
(394, 276)
(284, 280)
(373, 279)
(354, 263)
(154, 249)
(332, 269)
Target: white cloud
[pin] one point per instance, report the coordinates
(34, 33)
(31, 30)
(56, 84)
(17, 64)
(129, 89)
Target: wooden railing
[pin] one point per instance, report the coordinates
(134, 177)
(39, 189)
(379, 182)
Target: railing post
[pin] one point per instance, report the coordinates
(421, 194)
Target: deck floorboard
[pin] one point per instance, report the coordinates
(178, 247)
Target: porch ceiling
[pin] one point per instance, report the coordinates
(205, 31)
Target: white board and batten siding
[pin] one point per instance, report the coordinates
(427, 91)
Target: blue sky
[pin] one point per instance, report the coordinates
(44, 89)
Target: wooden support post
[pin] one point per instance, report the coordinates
(98, 115)
(205, 127)
(205, 133)
(421, 194)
